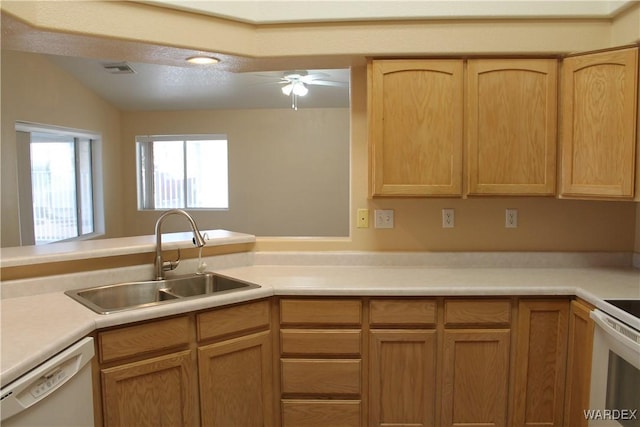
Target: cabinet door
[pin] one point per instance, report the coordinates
(475, 377)
(511, 126)
(236, 383)
(599, 97)
(581, 328)
(416, 127)
(541, 354)
(152, 392)
(402, 378)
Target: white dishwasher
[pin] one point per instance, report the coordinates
(59, 392)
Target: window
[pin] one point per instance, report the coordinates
(56, 184)
(183, 171)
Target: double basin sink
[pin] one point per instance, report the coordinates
(130, 295)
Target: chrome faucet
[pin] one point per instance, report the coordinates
(162, 266)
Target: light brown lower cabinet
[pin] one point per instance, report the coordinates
(351, 362)
(475, 380)
(541, 357)
(210, 368)
(320, 362)
(402, 377)
(235, 382)
(321, 413)
(152, 392)
(581, 328)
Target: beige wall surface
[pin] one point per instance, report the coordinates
(637, 246)
(288, 170)
(35, 90)
(545, 223)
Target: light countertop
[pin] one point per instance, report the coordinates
(36, 327)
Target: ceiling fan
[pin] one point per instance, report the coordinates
(295, 84)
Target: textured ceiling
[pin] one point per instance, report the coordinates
(166, 87)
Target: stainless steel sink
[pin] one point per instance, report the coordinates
(130, 295)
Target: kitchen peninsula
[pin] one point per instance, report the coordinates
(39, 320)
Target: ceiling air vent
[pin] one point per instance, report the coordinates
(119, 68)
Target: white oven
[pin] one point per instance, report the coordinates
(615, 373)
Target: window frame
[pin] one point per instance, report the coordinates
(25, 190)
(144, 155)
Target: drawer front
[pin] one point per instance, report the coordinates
(320, 342)
(320, 312)
(402, 312)
(321, 413)
(311, 376)
(477, 312)
(139, 339)
(232, 320)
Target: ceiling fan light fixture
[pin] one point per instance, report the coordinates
(300, 89)
(287, 89)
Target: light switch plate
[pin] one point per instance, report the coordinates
(363, 218)
(383, 218)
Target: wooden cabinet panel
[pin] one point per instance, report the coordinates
(475, 377)
(320, 342)
(233, 320)
(402, 378)
(581, 328)
(236, 387)
(477, 312)
(144, 338)
(512, 126)
(402, 312)
(540, 368)
(599, 103)
(320, 312)
(416, 127)
(321, 413)
(321, 376)
(153, 392)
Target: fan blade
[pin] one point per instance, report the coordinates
(317, 76)
(327, 83)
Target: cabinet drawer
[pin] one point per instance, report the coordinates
(477, 312)
(321, 413)
(320, 341)
(134, 340)
(402, 312)
(320, 312)
(310, 376)
(231, 320)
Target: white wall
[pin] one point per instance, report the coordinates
(288, 170)
(35, 90)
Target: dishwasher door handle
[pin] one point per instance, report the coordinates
(45, 379)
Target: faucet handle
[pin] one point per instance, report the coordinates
(171, 265)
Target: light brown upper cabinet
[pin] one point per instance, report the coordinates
(511, 126)
(416, 127)
(598, 124)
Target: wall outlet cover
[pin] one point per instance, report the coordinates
(383, 218)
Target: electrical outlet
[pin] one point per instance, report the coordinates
(448, 218)
(363, 218)
(383, 218)
(511, 218)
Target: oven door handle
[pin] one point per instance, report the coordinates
(617, 330)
